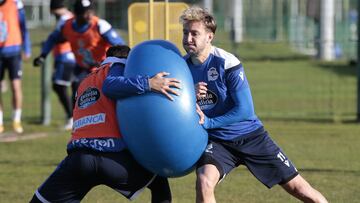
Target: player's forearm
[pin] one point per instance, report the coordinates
(117, 86)
(50, 42)
(242, 111)
(26, 45)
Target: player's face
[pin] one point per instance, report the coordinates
(85, 17)
(56, 13)
(196, 38)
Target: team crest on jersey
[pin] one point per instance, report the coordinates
(86, 54)
(209, 101)
(241, 75)
(88, 97)
(212, 74)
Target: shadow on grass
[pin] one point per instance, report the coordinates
(33, 120)
(326, 170)
(265, 51)
(277, 58)
(311, 120)
(341, 69)
(316, 170)
(27, 163)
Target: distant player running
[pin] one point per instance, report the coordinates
(89, 37)
(64, 62)
(14, 37)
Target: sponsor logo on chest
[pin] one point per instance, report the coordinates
(209, 101)
(88, 97)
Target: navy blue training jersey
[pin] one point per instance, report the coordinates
(228, 103)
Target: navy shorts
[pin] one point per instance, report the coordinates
(64, 73)
(13, 64)
(82, 170)
(257, 151)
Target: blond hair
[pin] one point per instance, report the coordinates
(196, 13)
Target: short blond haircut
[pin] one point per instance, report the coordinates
(196, 13)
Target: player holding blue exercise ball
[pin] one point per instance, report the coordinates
(236, 135)
(164, 136)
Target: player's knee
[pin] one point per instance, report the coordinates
(309, 194)
(296, 185)
(205, 183)
(301, 189)
(56, 87)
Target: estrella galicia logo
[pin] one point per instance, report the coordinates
(209, 101)
(88, 97)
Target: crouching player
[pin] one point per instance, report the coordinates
(96, 152)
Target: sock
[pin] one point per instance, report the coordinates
(160, 190)
(17, 115)
(64, 98)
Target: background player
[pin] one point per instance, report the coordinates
(14, 37)
(64, 63)
(89, 37)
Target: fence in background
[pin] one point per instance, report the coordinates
(292, 22)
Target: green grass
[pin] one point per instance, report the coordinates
(285, 85)
(307, 106)
(326, 154)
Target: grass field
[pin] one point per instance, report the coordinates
(326, 154)
(307, 106)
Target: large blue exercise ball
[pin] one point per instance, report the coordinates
(164, 136)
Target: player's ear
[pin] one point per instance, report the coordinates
(210, 37)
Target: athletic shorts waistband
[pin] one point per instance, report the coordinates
(254, 133)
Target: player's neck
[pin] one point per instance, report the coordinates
(63, 11)
(201, 57)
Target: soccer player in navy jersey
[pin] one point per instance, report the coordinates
(225, 106)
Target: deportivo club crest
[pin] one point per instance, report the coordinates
(212, 74)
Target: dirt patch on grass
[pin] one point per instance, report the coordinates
(13, 137)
